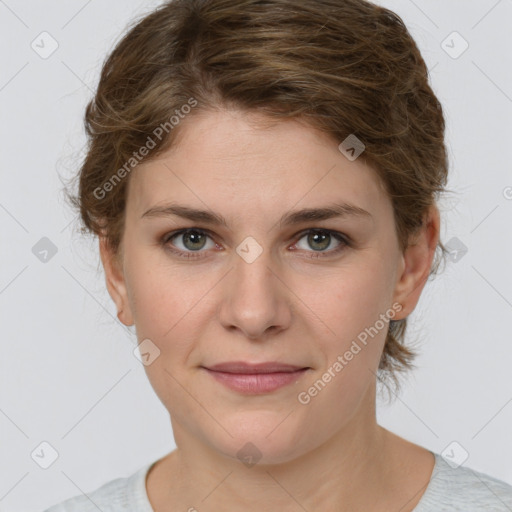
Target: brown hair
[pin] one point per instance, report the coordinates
(343, 66)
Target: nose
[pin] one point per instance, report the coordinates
(255, 300)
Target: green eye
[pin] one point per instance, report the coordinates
(194, 240)
(189, 243)
(320, 239)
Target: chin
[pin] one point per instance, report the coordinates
(260, 439)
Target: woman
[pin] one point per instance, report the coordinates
(262, 177)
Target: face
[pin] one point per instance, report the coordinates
(263, 285)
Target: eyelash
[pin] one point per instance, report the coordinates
(345, 242)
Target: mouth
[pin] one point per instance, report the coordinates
(260, 378)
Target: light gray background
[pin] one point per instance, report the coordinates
(68, 374)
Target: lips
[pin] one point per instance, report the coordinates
(242, 367)
(255, 378)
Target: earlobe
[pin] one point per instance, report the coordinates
(115, 281)
(417, 262)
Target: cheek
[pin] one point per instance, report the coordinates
(167, 308)
(348, 300)
(172, 306)
(159, 292)
(351, 334)
(351, 306)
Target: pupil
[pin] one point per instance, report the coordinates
(194, 238)
(313, 239)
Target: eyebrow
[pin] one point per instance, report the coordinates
(334, 210)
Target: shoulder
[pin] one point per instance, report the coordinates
(463, 488)
(126, 493)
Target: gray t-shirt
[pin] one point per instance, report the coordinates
(460, 488)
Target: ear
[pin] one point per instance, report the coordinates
(116, 285)
(416, 264)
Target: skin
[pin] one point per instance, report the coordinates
(287, 305)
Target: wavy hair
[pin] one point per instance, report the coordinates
(343, 66)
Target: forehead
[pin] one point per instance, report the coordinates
(239, 162)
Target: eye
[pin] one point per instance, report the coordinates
(192, 241)
(320, 239)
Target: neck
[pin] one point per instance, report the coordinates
(350, 471)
